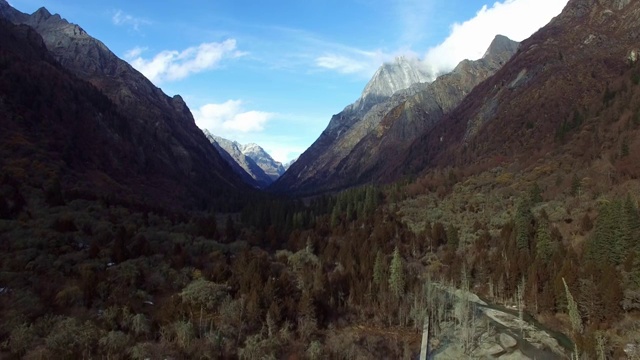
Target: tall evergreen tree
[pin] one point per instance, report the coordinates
(544, 246)
(523, 223)
(535, 194)
(396, 274)
(613, 235)
(572, 307)
(453, 238)
(633, 222)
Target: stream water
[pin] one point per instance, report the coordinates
(525, 346)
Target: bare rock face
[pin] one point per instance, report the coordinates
(391, 78)
(358, 141)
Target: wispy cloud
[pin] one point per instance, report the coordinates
(298, 50)
(229, 118)
(347, 60)
(342, 64)
(135, 52)
(516, 19)
(121, 18)
(282, 151)
(171, 65)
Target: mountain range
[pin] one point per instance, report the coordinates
(123, 135)
(396, 106)
(507, 104)
(251, 162)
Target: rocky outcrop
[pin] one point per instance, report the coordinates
(507, 342)
(356, 145)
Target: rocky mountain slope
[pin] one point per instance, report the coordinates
(569, 91)
(145, 143)
(273, 169)
(357, 142)
(391, 78)
(250, 161)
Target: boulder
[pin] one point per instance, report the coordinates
(507, 341)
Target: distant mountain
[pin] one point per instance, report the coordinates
(403, 78)
(134, 141)
(288, 165)
(272, 168)
(242, 164)
(359, 141)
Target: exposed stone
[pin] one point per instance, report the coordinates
(507, 341)
(488, 350)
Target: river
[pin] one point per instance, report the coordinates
(538, 342)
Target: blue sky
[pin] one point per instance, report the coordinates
(274, 72)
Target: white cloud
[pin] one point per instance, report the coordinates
(516, 19)
(135, 52)
(230, 119)
(171, 65)
(347, 60)
(283, 152)
(341, 63)
(120, 18)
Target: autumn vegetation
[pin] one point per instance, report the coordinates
(96, 262)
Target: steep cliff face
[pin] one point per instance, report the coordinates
(391, 78)
(170, 149)
(355, 146)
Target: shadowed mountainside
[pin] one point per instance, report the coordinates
(133, 141)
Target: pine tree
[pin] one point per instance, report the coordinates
(378, 271)
(523, 223)
(544, 246)
(621, 233)
(396, 274)
(572, 307)
(635, 271)
(535, 194)
(452, 237)
(633, 222)
(614, 235)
